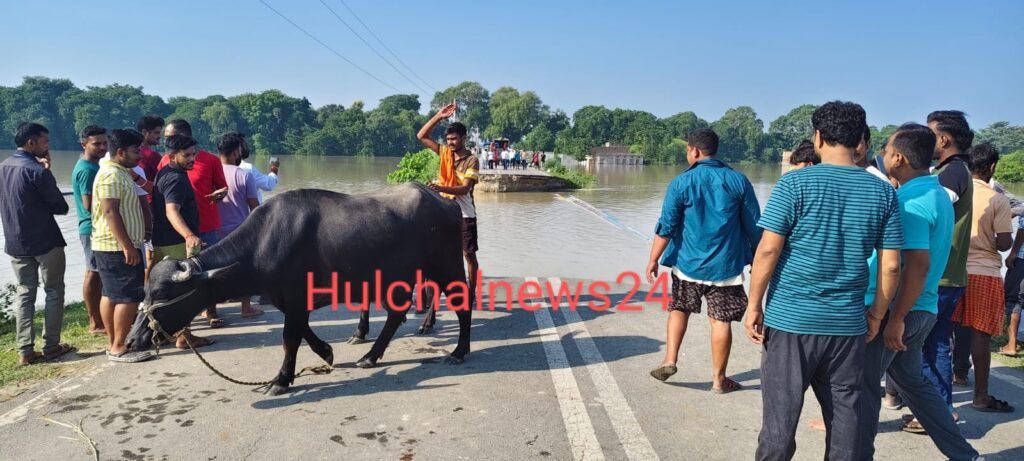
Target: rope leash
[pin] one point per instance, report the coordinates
(317, 370)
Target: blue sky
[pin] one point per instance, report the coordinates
(898, 59)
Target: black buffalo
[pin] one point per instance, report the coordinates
(398, 231)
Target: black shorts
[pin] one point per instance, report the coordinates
(725, 304)
(121, 283)
(469, 241)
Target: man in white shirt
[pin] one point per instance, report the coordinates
(264, 182)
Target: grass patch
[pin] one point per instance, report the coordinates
(75, 332)
(578, 179)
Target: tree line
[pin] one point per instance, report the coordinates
(282, 124)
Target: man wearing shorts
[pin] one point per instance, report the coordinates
(94, 147)
(119, 230)
(707, 233)
(458, 174)
(982, 307)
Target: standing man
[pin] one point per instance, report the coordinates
(709, 225)
(242, 198)
(29, 199)
(150, 126)
(982, 307)
(119, 230)
(953, 136)
(209, 185)
(1014, 292)
(821, 225)
(927, 218)
(457, 174)
(264, 182)
(94, 147)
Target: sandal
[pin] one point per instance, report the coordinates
(663, 372)
(216, 322)
(727, 386)
(62, 348)
(960, 381)
(994, 405)
(914, 427)
(197, 342)
(1006, 354)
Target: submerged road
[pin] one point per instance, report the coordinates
(541, 384)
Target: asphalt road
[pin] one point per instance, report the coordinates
(544, 385)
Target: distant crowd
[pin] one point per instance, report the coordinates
(506, 156)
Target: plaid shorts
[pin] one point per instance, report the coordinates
(725, 304)
(982, 306)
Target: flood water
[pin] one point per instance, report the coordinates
(596, 233)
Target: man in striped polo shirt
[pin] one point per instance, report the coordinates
(820, 226)
(119, 229)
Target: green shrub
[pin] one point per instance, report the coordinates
(1011, 167)
(416, 166)
(577, 178)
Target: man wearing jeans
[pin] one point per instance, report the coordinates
(820, 226)
(29, 198)
(953, 136)
(927, 218)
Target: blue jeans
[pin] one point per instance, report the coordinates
(937, 364)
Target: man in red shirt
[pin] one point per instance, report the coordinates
(150, 126)
(207, 178)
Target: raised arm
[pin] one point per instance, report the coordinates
(424, 134)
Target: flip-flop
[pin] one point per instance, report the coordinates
(663, 372)
(62, 348)
(994, 405)
(728, 386)
(197, 342)
(252, 314)
(216, 322)
(914, 427)
(1007, 354)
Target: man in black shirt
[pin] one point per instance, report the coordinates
(29, 198)
(175, 213)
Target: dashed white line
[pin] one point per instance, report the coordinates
(578, 427)
(634, 441)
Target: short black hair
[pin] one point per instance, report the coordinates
(28, 131)
(867, 135)
(917, 143)
(954, 122)
(150, 122)
(229, 142)
(123, 139)
(804, 153)
(456, 128)
(179, 142)
(181, 126)
(982, 157)
(704, 139)
(840, 122)
(92, 130)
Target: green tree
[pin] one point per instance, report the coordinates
(680, 125)
(278, 121)
(880, 137)
(37, 100)
(539, 138)
(1003, 136)
(741, 134)
(1011, 167)
(514, 114)
(474, 103)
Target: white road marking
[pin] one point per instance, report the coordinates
(634, 441)
(20, 412)
(578, 427)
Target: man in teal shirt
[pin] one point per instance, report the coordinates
(94, 147)
(927, 216)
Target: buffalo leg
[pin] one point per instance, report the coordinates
(359, 336)
(295, 325)
(324, 350)
(465, 316)
(429, 316)
(394, 320)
